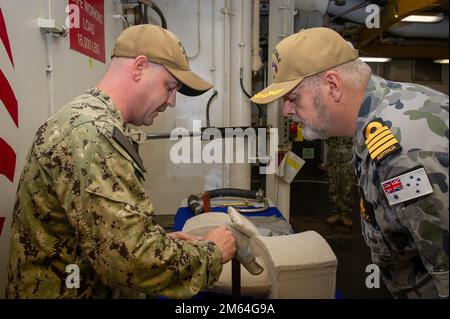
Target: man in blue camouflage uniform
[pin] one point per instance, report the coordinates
(81, 204)
(400, 154)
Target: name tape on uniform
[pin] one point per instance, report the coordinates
(411, 185)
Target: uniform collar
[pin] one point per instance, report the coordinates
(136, 135)
(375, 91)
(109, 103)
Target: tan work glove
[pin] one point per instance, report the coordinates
(243, 231)
(241, 228)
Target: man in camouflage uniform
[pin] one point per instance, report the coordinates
(401, 135)
(341, 179)
(80, 200)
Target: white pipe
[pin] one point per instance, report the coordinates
(358, 15)
(241, 40)
(198, 33)
(288, 17)
(49, 70)
(213, 36)
(226, 58)
(277, 190)
(423, 30)
(256, 58)
(119, 16)
(239, 104)
(226, 79)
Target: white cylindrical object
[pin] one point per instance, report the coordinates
(226, 83)
(422, 30)
(240, 56)
(49, 47)
(213, 47)
(256, 58)
(239, 104)
(281, 24)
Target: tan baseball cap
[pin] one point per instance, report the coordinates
(162, 47)
(302, 54)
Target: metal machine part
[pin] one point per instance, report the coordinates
(199, 203)
(141, 11)
(222, 130)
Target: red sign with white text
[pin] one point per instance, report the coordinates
(87, 27)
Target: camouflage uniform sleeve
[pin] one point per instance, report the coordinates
(426, 218)
(112, 218)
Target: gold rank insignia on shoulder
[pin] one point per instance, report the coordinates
(380, 141)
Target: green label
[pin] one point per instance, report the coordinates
(308, 153)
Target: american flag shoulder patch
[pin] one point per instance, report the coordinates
(409, 185)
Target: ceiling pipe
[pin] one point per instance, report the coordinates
(420, 30)
(425, 30)
(312, 5)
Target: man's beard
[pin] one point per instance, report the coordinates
(319, 128)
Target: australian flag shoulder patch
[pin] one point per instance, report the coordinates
(407, 186)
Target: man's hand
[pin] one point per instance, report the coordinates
(184, 236)
(225, 241)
